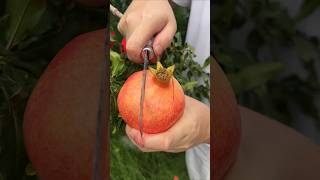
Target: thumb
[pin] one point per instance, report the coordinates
(154, 142)
(164, 38)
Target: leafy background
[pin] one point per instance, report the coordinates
(270, 60)
(31, 33)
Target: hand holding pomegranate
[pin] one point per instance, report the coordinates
(144, 19)
(191, 129)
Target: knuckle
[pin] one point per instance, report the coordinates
(119, 27)
(132, 18)
(147, 16)
(131, 50)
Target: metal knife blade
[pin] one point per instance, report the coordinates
(147, 53)
(143, 86)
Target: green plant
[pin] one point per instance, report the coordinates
(259, 80)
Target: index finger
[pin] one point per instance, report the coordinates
(141, 35)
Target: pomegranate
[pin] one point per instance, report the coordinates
(61, 114)
(163, 103)
(226, 124)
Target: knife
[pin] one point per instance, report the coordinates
(147, 54)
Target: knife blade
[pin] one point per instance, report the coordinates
(147, 54)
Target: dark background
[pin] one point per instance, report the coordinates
(45, 26)
(270, 51)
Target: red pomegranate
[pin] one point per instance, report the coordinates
(226, 124)
(61, 114)
(163, 103)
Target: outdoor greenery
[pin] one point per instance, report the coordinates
(258, 71)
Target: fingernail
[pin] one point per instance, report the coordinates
(158, 49)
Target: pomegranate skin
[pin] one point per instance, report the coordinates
(61, 114)
(163, 103)
(226, 124)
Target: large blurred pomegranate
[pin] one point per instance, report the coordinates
(226, 124)
(61, 114)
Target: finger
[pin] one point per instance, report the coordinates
(160, 141)
(134, 140)
(128, 23)
(137, 40)
(133, 134)
(141, 148)
(164, 38)
(122, 25)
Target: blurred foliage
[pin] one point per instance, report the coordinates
(128, 162)
(32, 32)
(258, 70)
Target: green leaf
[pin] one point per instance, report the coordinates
(307, 8)
(114, 130)
(178, 41)
(207, 62)
(189, 86)
(3, 25)
(254, 76)
(23, 18)
(117, 64)
(29, 170)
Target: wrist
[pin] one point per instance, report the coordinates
(203, 117)
(206, 124)
(206, 131)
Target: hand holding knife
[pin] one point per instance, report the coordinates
(147, 54)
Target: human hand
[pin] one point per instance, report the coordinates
(191, 129)
(143, 20)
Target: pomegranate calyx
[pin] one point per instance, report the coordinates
(162, 74)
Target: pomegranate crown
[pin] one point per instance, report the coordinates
(162, 74)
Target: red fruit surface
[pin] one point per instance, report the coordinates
(226, 124)
(163, 103)
(61, 114)
(93, 3)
